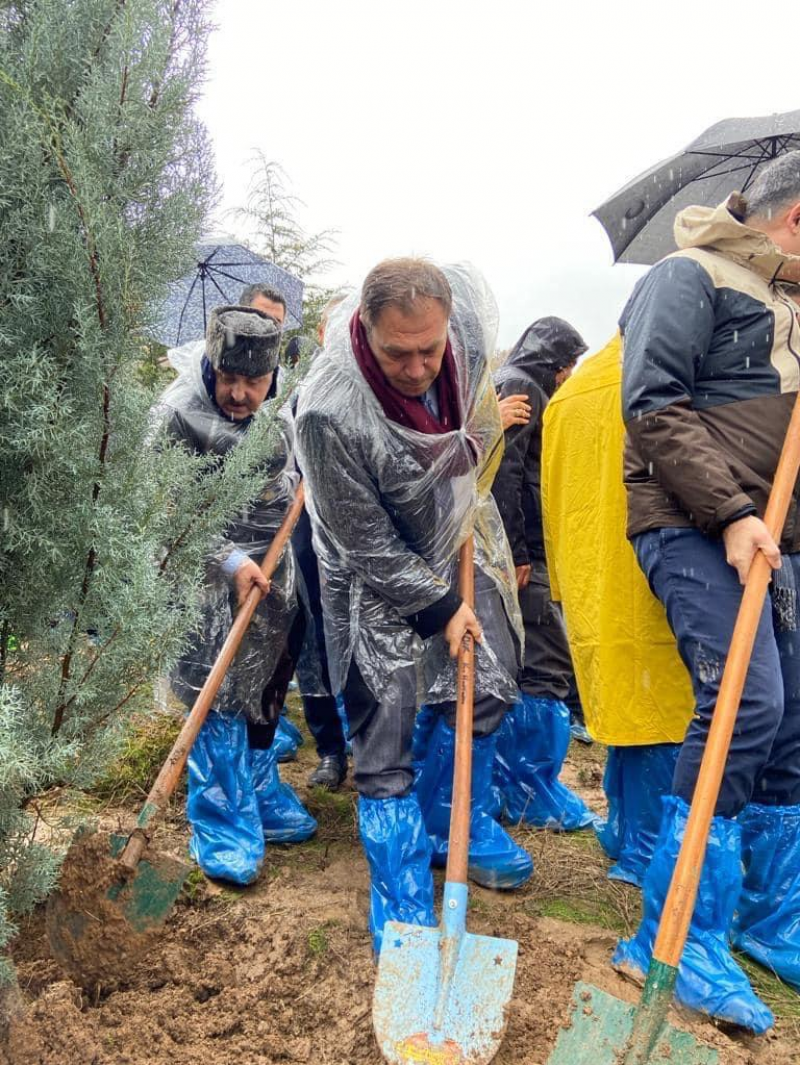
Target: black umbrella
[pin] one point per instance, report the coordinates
(726, 158)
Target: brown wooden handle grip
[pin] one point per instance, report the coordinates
(170, 773)
(458, 846)
(679, 905)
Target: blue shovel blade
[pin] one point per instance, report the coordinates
(406, 992)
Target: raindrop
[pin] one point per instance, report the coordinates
(736, 336)
(230, 337)
(51, 217)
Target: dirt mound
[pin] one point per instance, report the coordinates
(283, 973)
(87, 930)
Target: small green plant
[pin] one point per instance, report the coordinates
(194, 885)
(318, 941)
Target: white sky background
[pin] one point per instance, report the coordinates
(485, 131)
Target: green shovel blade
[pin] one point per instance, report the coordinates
(148, 897)
(599, 1030)
(407, 989)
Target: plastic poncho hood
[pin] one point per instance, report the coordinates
(391, 506)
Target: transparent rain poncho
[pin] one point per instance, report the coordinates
(391, 506)
(186, 414)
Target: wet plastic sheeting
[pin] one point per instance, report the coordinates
(186, 414)
(391, 506)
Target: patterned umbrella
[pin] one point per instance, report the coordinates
(222, 272)
(726, 158)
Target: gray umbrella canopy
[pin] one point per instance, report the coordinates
(726, 158)
(222, 271)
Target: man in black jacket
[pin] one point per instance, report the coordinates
(710, 376)
(534, 737)
(399, 436)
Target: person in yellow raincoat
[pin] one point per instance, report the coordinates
(635, 690)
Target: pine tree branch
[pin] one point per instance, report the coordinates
(91, 558)
(90, 668)
(4, 634)
(155, 95)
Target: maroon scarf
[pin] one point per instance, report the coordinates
(409, 411)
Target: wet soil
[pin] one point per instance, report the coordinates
(282, 972)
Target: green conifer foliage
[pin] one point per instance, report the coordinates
(105, 181)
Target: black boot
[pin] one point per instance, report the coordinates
(330, 773)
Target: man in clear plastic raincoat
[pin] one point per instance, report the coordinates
(535, 736)
(236, 801)
(399, 436)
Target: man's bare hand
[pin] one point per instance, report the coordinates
(514, 410)
(743, 539)
(523, 576)
(245, 577)
(461, 622)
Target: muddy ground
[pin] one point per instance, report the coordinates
(282, 972)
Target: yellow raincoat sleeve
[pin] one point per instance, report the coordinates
(633, 685)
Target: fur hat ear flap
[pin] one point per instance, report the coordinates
(242, 340)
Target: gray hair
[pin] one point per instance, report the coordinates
(776, 187)
(250, 292)
(403, 283)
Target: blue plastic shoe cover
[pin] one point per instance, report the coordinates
(227, 839)
(342, 712)
(399, 856)
(283, 816)
(531, 749)
(767, 924)
(495, 860)
(287, 739)
(709, 980)
(580, 733)
(635, 782)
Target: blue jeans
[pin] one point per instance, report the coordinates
(701, 594)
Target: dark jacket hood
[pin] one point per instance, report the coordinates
(546, 347)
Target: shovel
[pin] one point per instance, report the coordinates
(605, 1031)
(442, 994)
(137, 894)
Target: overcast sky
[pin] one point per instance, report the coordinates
(483, 131)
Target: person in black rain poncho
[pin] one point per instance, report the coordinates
(534, 738)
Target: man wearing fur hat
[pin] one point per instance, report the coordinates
(236, 801)
(711, 370)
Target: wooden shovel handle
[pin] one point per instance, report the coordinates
(168, 778)
(679, 906)
(458, 847)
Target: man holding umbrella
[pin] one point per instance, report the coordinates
(711, 369)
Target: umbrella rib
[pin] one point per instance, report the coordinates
(183, 309)
(711, 173)
(230, 277)
(221, 291)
